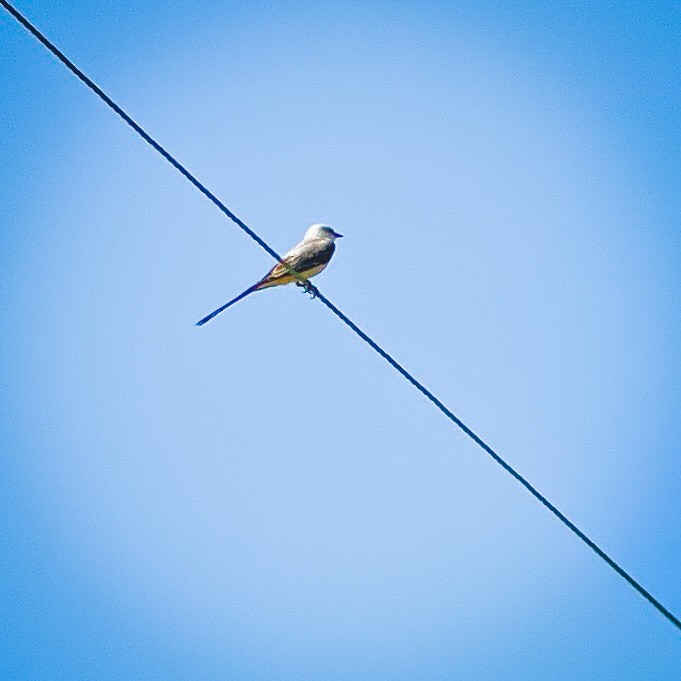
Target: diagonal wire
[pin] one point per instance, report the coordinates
(346, 320)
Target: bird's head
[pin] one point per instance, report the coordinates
(321, 232)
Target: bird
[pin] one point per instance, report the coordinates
(303, 261)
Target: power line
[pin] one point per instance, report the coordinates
(346, 320)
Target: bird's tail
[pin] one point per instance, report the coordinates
(229, 304)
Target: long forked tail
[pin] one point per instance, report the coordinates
(229, 304)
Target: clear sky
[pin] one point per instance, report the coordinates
(263, 497)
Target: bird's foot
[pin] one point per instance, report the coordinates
(308, 288)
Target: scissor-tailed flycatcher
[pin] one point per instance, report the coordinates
(306, 259)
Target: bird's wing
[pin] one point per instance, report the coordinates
(302, 258)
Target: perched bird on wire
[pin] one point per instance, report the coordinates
(298, 265)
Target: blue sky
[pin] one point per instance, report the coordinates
(264, 498)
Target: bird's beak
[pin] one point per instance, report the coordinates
(336, 234)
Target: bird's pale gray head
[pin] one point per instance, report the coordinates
(319, 231)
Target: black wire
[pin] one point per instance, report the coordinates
(346, 320)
